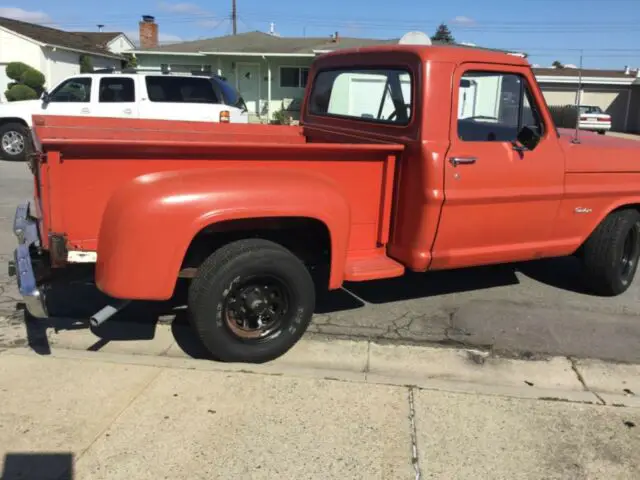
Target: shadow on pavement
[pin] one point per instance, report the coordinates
(42, 466)
(71, 303)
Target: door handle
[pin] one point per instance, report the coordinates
(455, 161)
(127, 111)
(84, 110)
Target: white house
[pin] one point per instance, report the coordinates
(56, 53)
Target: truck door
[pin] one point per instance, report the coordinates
(500, 202)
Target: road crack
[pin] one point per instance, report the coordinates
(574, 367)
(415, 459)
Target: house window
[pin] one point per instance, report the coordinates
(293, 77)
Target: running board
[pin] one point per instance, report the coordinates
(372, 267)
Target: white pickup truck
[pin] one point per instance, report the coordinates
(123, 95)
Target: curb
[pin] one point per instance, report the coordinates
(424, 367)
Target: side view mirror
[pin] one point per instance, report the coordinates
(45, 97)
(528, 138)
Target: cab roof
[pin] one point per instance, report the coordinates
(443, 53)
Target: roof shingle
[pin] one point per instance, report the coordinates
(60, 38)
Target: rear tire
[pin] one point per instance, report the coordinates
(14, 139)
(251, 301)
(611, 253)
(602, 132)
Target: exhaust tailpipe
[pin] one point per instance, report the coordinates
(107, 312)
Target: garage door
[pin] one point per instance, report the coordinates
(559, 96)
(613, 102)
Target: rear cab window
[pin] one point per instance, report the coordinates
(494, 106)
(370, 95)
(175, 89)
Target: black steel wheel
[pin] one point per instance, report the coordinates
(251, 301)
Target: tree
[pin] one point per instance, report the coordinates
(443, 35)
(557, 64)
(130, 62)
(86, 66)
(28, 83)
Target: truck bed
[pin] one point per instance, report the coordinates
(87, 159)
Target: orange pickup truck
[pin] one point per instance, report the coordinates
(407, 157)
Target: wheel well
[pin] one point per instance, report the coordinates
(628, 206)
(307, 238)
(5, 120)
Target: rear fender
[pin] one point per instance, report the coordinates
(149, 222)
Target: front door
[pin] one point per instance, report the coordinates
(500, 203)
(71, 97)
(249, 85)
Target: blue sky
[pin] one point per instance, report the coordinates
(607, 30)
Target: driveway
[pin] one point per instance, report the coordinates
(526, 310)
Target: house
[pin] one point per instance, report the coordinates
(271, 71)
(56, 53)
(114, 42)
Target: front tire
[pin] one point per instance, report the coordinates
(14, 138)
(611, 253)
(251, 301)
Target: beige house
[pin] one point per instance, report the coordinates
(271, 71)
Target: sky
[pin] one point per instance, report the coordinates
(606, 31)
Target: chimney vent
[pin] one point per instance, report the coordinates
(148, 32)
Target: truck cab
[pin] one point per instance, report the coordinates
(408, 157)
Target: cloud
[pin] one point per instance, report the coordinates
(35, 16)
(207, 18)
(182, 8)
(463, 21)
(163, 38)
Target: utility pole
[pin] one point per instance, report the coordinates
(234, 17)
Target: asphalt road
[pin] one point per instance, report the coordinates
(528, 310)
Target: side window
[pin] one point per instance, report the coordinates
(493, 107)
(383, 96)
(117, 90)
(180, 89)
(76, 90)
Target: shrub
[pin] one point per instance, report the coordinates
(15, 70)
(28, 83)
(34, 79)
(20, 92)
(86, 66)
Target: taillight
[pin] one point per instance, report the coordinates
(604, 119)
(583, 119)
(225, 116)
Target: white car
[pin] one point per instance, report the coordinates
(593, 118)
(123, 95)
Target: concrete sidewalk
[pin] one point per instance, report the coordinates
(113, 415)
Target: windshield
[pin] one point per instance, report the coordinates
(590, 109)
(231, 95)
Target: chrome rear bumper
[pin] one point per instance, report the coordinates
(25, 229)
